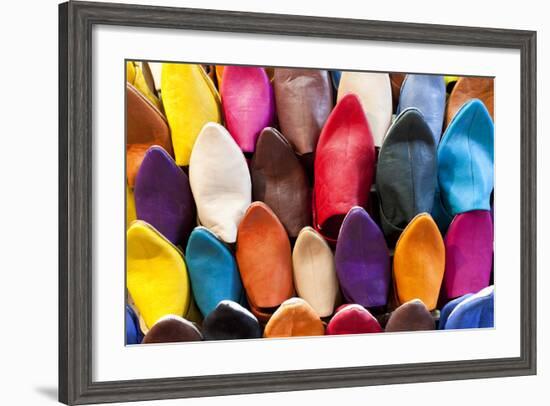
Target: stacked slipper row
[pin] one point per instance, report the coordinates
(297, 202)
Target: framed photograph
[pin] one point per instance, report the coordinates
(260, 202)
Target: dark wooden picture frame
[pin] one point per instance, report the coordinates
(76, 20)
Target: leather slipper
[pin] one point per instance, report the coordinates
(344, 166)
(220, 181)
(172, 329)
(314, 272)
(465, 160)
(248, 103)
(427, 94)
(362, 260)
(230, 321)
(156, 275)
(163, 196)
(406, 174)
(212, 270)
(264, 259)
(304, 100)
(353, 319)
(279, 180)
(468, 254)
(419, 262)
(410, 316)
(294, 318)
(477, 311)
(190, 101)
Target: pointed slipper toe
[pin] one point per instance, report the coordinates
(190, 101)
(230, 321)
(419, 262)
(172, 329)
(156, 275)
(248, 103)
(344, 166)
(212, 270)
(314, 272)
(353, 319)
(220, 181)
(264, 259)
(465, 160)
(410, 316)
(468, 254)
(304, 100)
(406, 174)
(163, 196)
(362, 260)
(279, 180)
(294, 318)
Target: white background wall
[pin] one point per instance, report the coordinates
(28, 200)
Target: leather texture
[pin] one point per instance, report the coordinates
(145, 127)
(396, 80)
(133, 334)
(212, 270)
(374, 92)
(156, 274)
(477, 311)
(468, 254)
(419, 262)
(172, 329)
(353, 319)
(280, 181)
(294, 318)
(406, 174)
(427, 94)
(344, 166)
(362, 260)
(315, 272)
(190, 101)
(220, 68)
(220, 181)
(264, 259)
(304, 100)
(465, 160)
(130, 206)
(410, 316)
(230, 321)
(448, 309)
(248, 103)
(468, 88)
(163, 196)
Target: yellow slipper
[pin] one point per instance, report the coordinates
(190, 101)
(156, 274)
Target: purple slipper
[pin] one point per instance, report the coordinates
(163, 196)
(362, 260)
